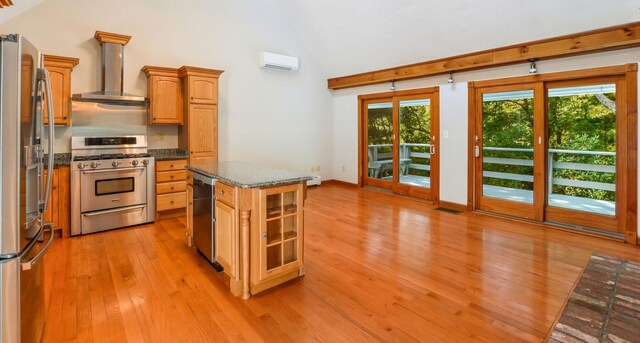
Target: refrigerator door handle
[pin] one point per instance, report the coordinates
(32, 261)
(47, 85)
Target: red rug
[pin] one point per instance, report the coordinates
(604, 305)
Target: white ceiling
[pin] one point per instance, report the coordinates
(349, 37)
(353, 36)
(19, 7)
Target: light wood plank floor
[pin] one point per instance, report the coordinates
(378, 268)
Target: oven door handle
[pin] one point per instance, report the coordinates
(123, 209)
(111, 170)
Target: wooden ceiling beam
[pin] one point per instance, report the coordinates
(606, 39)
(5, 3)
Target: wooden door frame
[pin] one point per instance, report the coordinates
(362, 144)
(627, 222)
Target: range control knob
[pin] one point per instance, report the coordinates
(135, 162)
(94, 165)
(81, 165)
(115, 164)
(145, 162)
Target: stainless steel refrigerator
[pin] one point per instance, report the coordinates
(24, 237)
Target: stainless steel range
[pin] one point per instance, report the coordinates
(112, 183)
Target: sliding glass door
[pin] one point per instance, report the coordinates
(582, 134)
(507, 151)
(552, 151)
(399, 142)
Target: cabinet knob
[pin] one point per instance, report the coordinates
(155, 118)
(221, 192)
(171, 166)
(171, 202)
(171, 176)
(191, 98)
(65, 117)
(171, 187)
(264, 235)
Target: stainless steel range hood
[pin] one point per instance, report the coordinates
(112, 71)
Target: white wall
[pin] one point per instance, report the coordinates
(453, 115)
(269, 117)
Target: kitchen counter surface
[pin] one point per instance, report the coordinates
(59, 159)
(168, 154)
(247, 175)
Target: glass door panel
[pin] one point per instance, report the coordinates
(581, 181)
(507, 153)
(505, 144)
(414, 153)
(582, 148)
(380, 143)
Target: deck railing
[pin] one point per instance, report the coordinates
(553, 165)
(383, 156)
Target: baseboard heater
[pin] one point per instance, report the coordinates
(315, 181)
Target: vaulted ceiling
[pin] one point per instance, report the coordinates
(348, 37)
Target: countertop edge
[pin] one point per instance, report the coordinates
(234, 183)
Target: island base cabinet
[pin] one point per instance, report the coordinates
(277, 239)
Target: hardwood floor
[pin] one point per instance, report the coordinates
(378, 268)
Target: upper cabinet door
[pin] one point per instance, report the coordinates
(165, 95)
(60, 76)
(165, 100)
(203, 90)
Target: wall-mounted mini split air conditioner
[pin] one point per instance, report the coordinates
(276, 61)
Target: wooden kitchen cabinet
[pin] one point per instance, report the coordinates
(226, 233)
(171, 188)
(203, 131)
(58, 210)
(164, 89)
(277, 245)
(59, 69)
(202, 90)
(199, 133)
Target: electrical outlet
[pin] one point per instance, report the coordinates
(317, 168)
(344, 169)
(313, 169)
(159, 136)
(445, 134)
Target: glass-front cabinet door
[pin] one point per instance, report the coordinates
(281, 223)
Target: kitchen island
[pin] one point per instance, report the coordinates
(259, 224)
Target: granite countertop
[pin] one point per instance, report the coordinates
(59, 159)
(247, 175)
(168, 154)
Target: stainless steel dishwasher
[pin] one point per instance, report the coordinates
(204, 221)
